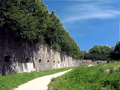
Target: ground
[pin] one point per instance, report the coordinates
(40, 83)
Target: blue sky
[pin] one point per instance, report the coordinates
(89, 22)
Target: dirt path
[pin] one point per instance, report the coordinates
(40, 83)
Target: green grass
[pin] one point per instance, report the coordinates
(12, 81)
(89, 78)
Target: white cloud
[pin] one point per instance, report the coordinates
(97, 10)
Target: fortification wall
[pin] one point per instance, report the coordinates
(17, 56)
(91, 62)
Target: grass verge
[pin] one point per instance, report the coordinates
(9, 82)
(89, 78)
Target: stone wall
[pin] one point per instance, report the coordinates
(91, 62)
(17, 56)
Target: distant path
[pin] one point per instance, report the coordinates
(40, 83)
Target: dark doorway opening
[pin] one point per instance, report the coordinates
(40, 61)
(27, 60)
(47, 61)
(8, 58)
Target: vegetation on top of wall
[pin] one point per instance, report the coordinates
(30, 20)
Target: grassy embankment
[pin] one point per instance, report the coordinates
(9, 82)
(98, 77)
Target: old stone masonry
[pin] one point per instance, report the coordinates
(17, 56)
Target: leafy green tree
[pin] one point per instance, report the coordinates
(29, 20)
(98, 53)
(115, 54)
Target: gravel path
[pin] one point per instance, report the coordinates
(40, 83)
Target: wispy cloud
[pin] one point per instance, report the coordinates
(98, 10)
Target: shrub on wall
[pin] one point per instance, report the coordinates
(30, 20)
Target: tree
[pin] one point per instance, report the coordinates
(98, 53)
(29, 20)
(115, 54)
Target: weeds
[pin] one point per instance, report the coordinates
(53, 79)
(91, 78)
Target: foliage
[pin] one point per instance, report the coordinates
(30, 20)
(115, 54)
(12, 81)
(89, 78)
(98, 53)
